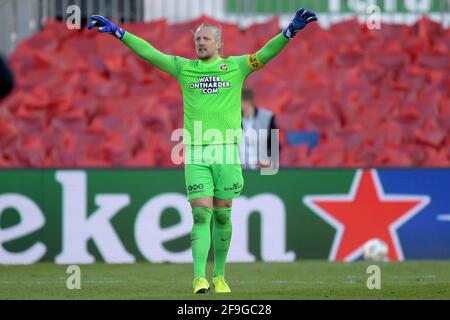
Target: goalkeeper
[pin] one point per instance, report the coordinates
(211, 87)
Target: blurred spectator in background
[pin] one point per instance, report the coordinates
(253, 120)
(6, 79)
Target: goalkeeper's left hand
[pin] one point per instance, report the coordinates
(301, 19)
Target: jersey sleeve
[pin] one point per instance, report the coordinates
(165, 62)
(253, 62)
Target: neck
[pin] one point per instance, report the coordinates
(212, 58)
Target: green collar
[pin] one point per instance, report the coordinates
(211, 62)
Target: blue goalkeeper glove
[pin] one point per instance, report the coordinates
(104, 25)
(301, 19)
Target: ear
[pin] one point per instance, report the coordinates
(219, 46)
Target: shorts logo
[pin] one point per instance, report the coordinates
(193, 188)
(236, 186)
(223, 67)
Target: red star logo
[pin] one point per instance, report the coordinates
(365, 213)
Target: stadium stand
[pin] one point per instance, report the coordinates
(376, 97)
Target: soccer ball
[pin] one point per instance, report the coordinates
(375, 250)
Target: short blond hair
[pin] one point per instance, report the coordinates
(217, 33)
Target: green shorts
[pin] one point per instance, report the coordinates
(213, 171)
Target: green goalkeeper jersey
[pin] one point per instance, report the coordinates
(211, 90)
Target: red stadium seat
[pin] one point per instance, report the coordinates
(9, 134)
(73, 120)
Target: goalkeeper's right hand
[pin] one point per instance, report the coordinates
(104, 25)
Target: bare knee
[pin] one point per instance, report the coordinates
(222, 203)
(202, 202)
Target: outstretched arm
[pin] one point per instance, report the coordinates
(142, 48)
(146, 51)
(256, 61)
(272, 48)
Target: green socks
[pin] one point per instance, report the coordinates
(200, 239)
(222, 231)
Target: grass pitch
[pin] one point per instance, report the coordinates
(254, 281)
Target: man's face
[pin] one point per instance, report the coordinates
(247, 106)
(206, 45)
